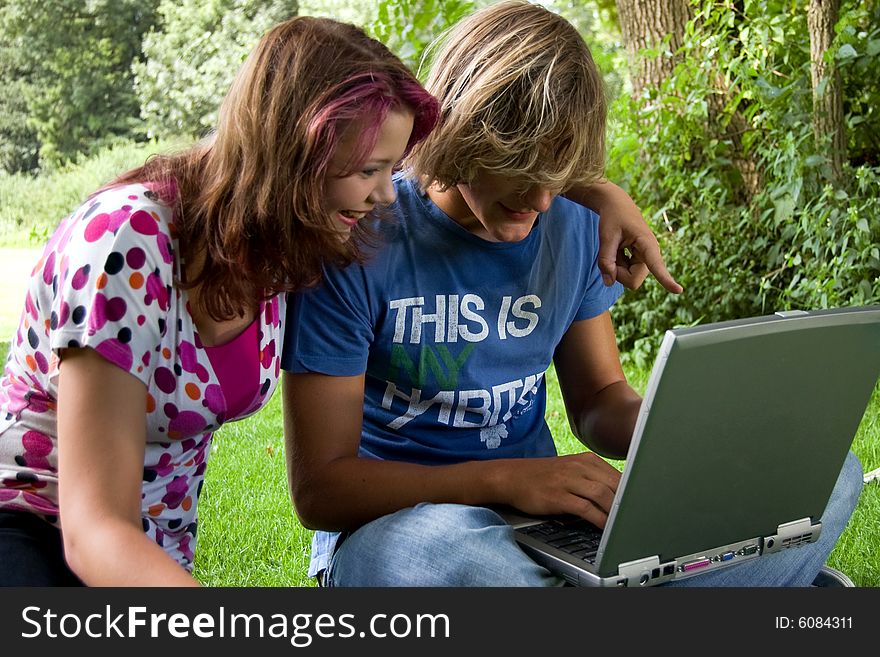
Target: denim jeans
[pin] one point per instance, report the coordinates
(457, 545)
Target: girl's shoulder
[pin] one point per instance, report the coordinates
(121, 202)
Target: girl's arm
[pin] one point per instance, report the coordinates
(101, 443)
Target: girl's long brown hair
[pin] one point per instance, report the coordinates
(249, 197)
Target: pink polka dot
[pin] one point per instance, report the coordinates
(143, 223)
(135, 258)
(164, 244)
(118, 218)
(96, 227)
(188, 357)
(36, 443)
(268, 354)
(80, 278)
(214, 398)
(186, 424)
(116, 309)
(165, 380)
(202, 373)
(49, 269)
(116, 352)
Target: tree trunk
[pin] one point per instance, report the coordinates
(828, 123)
(645, 24)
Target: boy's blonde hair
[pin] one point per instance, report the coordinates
(520, 96)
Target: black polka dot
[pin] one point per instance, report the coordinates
(124, 335)
(115, 262)
(33, 340)
(78, 314)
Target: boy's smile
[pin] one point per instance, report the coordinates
(494, 207)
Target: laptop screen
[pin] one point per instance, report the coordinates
(745, 425)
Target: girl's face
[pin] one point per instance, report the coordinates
(495, 207)
(349, 197)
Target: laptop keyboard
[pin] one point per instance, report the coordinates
(574, 536)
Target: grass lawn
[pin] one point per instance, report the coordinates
(249, 536)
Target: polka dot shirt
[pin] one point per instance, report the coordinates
(106, 281)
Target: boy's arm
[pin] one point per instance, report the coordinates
(333, 488)
(602, 407)
(622, 228)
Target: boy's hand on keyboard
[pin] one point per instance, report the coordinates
(581, 484)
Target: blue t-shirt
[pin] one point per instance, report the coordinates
(453, 332)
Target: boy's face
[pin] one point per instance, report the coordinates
(500, 208)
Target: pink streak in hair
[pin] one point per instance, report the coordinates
(369, 100)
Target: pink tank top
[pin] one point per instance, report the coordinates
(237, 365)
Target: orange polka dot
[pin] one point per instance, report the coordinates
(151, 403)
(187, 503)
(156, 509)
(136, 280)
(31, 363)
(101, 282)
(166, 352)
(192, 390)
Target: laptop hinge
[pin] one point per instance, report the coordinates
(792, 534)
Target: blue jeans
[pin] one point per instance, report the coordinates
(456, 545)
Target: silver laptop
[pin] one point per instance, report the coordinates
(741, 436)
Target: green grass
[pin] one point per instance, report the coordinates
(249, 536)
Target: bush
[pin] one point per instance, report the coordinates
(31, 207)
(797, 239)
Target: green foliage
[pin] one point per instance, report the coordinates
(356, 12)
(859, 40)
(19, 144)
(73, 83)
(192, 57)
(797, 239)
(408, 27)
(597, 23)
(31, 207)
